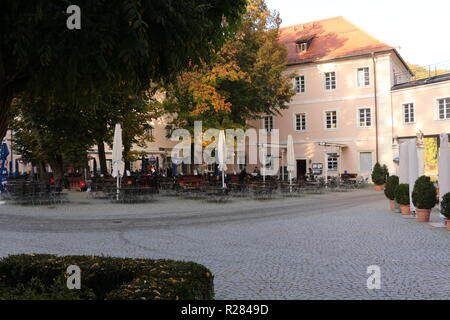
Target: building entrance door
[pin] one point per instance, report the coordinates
(301, 169)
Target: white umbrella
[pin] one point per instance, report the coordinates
(403, 168)
(222, 155)
(413, 163)
(117, 163)
(444, 167)
(290, 159)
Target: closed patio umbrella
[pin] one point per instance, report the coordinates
(117, 163)
(444, 167)
(403, 169)
(413, 163)
(4, 152)
(290, 159)
(222, 155)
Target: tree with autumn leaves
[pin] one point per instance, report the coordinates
(247, 79)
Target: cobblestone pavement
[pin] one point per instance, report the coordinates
(314, 247)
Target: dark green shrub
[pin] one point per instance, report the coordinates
(445, 205)
(424, 193)
(44, 277)
(378, 175)
(391, 184)
(402, 194)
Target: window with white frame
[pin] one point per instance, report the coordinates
(408, 113)
(365, 161)
(331, 119)
(268, 123)
(299, 84)
(300, 121)
(302, 47)
(363, 77)
(330, 80)
(365, 117)
(444, 108)
(332, 163)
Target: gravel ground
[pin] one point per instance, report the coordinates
(313, 247)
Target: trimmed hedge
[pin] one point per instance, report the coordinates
(391, 184)
(402, 194)
(378, 175)
(42, 276)
(424, 193)
(445, 205)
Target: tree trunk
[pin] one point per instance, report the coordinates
(58, 170)
(5, 106)
(126, 151)
(102, 158)
(42, 174)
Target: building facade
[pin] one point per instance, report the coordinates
(351, 94)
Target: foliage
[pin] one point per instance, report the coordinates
(422, 72)
(50, 133)
(445, 205)
(42, 276)
(133, 42)
(424, 193)
(431, 154)
(246, 80)
(378, 175)
(402, 194)
(391, 184)
(55, 133)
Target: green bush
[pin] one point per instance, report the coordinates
(378, 175)
(391, 184)
(39, 276)
(424, 193)
(402, 194)
(445, 205)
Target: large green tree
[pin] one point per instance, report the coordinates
(129, 41)
(49, 133)
(246, 80)
(54, 134)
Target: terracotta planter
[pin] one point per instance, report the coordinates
(379, 187)
(448, 224)
(392, 205)
(423, 215)
(405, 209)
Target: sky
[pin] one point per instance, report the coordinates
(419, 29)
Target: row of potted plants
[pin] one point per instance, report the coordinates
(424, 198)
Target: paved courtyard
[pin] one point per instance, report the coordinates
(314, 247)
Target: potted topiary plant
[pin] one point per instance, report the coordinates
(424, 198)
(402, 198)
(378, 177)
(445, 208)
(389, 191)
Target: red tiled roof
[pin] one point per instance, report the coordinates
(331, 38)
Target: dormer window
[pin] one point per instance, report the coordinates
(302, 47)
(303, 44)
